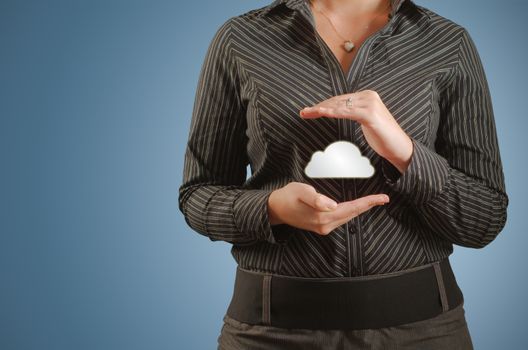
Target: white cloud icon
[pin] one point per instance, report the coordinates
(339, 159)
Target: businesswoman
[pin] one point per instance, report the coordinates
(339, 258)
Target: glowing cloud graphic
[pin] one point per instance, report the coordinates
(339, 159)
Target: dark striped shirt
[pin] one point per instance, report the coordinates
(262, 67)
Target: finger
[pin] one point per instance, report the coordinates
(317, 201)
(357, 112)
(316, 112)
(347, 210)
(326, 107)
(360, 205)
(324, 203)
(350, 209)
(337, 111)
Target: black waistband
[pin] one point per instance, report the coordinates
(362, 302)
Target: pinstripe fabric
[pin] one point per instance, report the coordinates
(265, 65)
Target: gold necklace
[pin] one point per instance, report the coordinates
(348, 45)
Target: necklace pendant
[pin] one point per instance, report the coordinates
(349, 45)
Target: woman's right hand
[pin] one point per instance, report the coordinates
(298, 204)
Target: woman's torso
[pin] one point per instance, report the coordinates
(284, 66)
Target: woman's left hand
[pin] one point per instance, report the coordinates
(381, 130)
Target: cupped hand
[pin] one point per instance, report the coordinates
(380, 128)
(300, 205)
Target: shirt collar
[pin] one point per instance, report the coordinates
(296, 4)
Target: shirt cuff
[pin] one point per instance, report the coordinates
(425, 177)
(250, 215)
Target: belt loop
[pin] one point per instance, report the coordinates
(441, 287)
(266, 299)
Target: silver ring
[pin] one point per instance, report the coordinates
(349, 102)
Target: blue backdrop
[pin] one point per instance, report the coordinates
(95, 104)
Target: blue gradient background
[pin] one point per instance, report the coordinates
(95, 104)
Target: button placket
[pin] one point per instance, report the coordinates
(343, 83)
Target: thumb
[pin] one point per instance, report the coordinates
(318, 201)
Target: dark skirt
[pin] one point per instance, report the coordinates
(448, 330)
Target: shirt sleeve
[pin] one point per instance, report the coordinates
(458, 191)
(212, 197)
